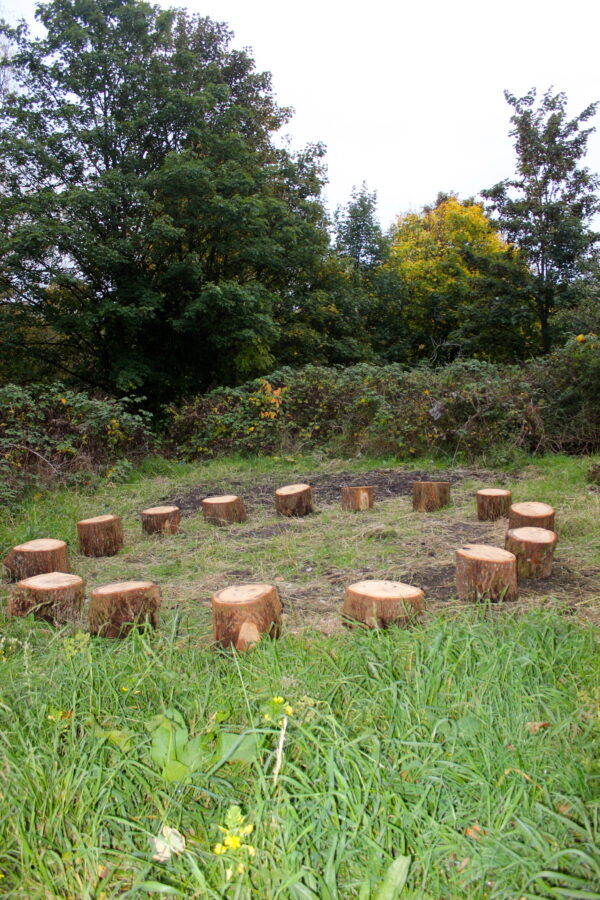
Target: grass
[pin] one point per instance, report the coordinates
(468, 744)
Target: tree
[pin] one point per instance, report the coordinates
(358, 234)
(546, 209)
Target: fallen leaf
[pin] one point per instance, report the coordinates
(563, 808)
(464, 864)
(517, 772)
(535, 727)
(168, 842)
(475, 831)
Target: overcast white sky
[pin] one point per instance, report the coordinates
(406, 96)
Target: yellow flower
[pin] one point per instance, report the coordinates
(63, 400)
(240, 869)
(251, 850)
(267, 717)
(580, 338)
(232, 841)
(247, 829)
(277, 699)
(288, 710)
(219, 849)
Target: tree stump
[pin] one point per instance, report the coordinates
(161, 520)
(531, 515)
(492, 504)
(37, 558)
(100, 536)
(241, 614)
(117, 608)
(294, 500)
(485, 573)
(378, 604)
(534, 549)
(55, 597)
(430, 495)
(224, 510)
(357, 498)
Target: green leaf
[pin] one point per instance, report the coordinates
(394, 879)
(194, 752)
(237, 747)
(175, 771)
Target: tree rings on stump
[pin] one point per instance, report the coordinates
(117, 608)
(485, 573)
(492, 504)
(37, 558)
(100, 536)
(534, 549)
(294, 500)
(224, 510)
(357, 498)
(53, 597)
(531, 514)
(161, 520)
(430, 495)
(377, 604)
(244, 612)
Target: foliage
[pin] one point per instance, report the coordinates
(358, 234)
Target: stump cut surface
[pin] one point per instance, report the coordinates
(486, 573)
(531, 513)
(378, 603)
(37, 557)
(244, 612)
(53, 597)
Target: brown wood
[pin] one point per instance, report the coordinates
(534, 549)
(37, 558)
(100, 536)
(492, 504)
(54, 597)
(161, 519)
(357, 498)
(117, 608)
(377, 604)
(294, 500)
(531, 514)
(224, 510)
(244, 612)
(430, 495)
(485, 573)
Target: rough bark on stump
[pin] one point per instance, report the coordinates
(161, 519)
(377, 604)
(492, 504)
(37, 558)
(357, 498)
(531, 515)
(244, 612)
(294, 500)
(117, 608)
(224, 510)
(55, 597)
(534, 549)
(430, 495)
(100, 536)
(485, 573)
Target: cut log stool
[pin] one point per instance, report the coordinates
(117, 608)
(430, 495)
(531, 514)
(534, 549)
(37, 558)
(357, 498)
(161, 520)
(294, 500)
(485, 573)
(100, 536)
(492, 504)
(224, 510)
(242, 613)
(378, 604)
(54, 597)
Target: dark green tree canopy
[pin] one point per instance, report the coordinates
(358, 234)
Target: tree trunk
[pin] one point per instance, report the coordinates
(492, 504)
(377, 604)
(117, 608)
(430, 495)
(37, 558)
(534, 549)
(357, 498)
(531, 514)
(241, 614)
(485, 573)
(100, 536)
(224, 510)
(55, 597)
(294, 500)
(161, 520)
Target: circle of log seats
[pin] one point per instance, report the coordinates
(378, 604)
(37, 558)
(161, 519)
(485, 573)
(224, 510)
(357, 498)
(244, 612)
(531, 514)
(430, 495)
(117, 608)
(534, 549)
(294, 500)
(53, 597)
(100, 536)
(492, 504)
